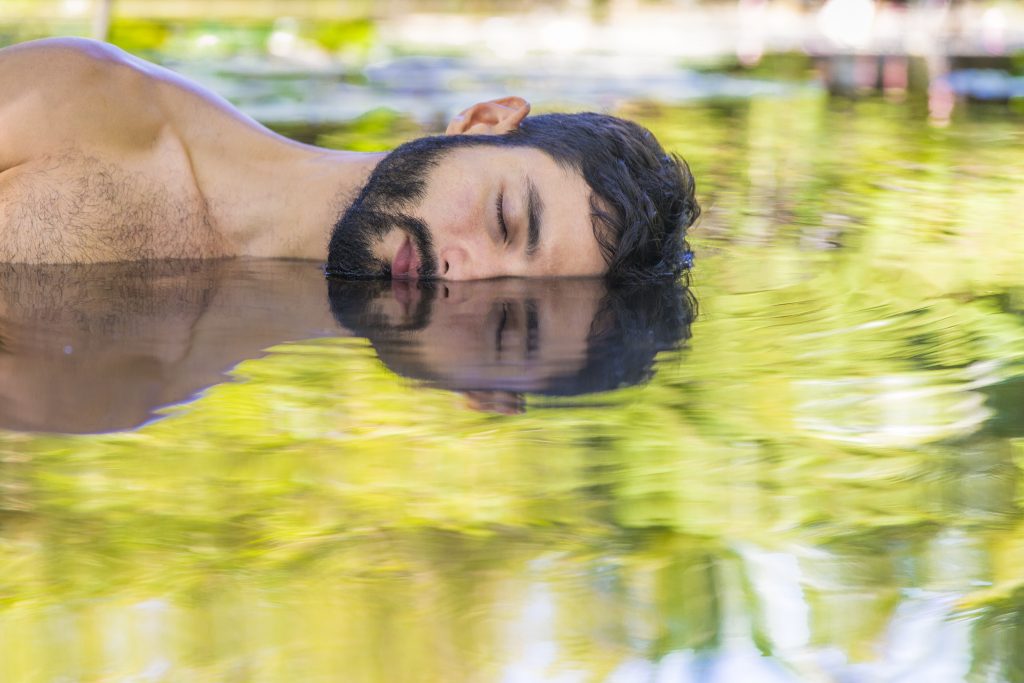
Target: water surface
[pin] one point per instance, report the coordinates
(820, 481)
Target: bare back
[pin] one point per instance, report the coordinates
(93, 166)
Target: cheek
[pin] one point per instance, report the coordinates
(452, 208)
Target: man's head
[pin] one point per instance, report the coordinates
(501, 194)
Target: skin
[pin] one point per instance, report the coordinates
(92, 348)
(105, 157)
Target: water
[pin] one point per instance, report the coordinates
(821, 481)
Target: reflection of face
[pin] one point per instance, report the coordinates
(557, 337)
(432, 207)
(508, 334)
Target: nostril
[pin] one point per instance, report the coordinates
(446, 266)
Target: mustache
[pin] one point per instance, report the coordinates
(423, 242)
(367, 227)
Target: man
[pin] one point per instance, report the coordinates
(105, 157)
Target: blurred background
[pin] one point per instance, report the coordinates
(302, 61)
(824, 484)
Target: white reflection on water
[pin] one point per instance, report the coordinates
(532, 648)
(776, 579)
(924, 641)
(728, 665)
(891, 410)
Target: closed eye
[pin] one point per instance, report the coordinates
(501, 216)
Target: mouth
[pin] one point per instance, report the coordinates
(406, 264)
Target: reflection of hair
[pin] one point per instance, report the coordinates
(632, 325)
(644, 200)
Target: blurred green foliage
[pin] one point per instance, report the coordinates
(317, 518)
(338, 35)
(139, 36)
(376, 130)
(1017, 63)
(160, 38)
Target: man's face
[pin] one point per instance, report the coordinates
(463, 209)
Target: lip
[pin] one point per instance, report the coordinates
(406, 263)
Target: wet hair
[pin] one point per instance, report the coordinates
(642, 205)
(633, 324)
(644, 198)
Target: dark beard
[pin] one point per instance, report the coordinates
(396, 185)
(356, 233)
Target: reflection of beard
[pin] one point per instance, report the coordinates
(395, 186)
(354, 304)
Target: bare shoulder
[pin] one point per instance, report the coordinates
(66, 49)
(71, 91)
(93, 166)
(21, 61)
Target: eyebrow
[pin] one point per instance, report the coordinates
(535, 210)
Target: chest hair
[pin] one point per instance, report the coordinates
(75, 207)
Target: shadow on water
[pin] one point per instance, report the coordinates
(98, 348)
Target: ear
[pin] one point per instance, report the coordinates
(490, 118)
(503, 402)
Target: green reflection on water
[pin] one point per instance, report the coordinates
(837, 449)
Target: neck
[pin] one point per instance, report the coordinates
(272, 197)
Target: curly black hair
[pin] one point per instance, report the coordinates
(644, 198)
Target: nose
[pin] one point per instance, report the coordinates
(472, 259)
(456, 264)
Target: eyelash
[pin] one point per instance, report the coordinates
(501, 216)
